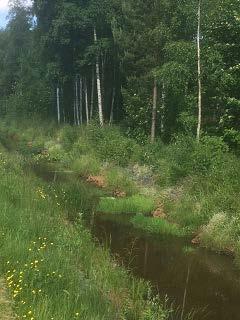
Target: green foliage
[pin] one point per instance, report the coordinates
(110, 145)
(187, 157)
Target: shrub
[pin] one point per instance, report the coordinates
(208, 154)
(111, 145)
(187, 157)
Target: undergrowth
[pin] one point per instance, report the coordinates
(52, 268)
(207, 173)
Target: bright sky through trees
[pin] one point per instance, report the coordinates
(4, 7)
(3, 12)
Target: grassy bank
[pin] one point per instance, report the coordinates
(197, 184)
(51, 267)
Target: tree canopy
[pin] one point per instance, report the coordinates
(119, 53)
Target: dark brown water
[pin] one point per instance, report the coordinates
(213, 289)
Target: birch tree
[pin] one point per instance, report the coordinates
(81, 99)
(92, 93)
(199, 73)
(154, 111)
(58, 106)
(86, 101)
(77, 102)
(98, 77)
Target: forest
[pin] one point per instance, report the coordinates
(119, 160)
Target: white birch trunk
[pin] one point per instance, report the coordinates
(58, 106)
(86, 102)
(154, 111)
(163, 108)
(77, 102)
(74, 112)
(80, 100)
(199, 74)
(103, 79)
(92, 94)
(99, 93)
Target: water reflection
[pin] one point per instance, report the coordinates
(196, 280)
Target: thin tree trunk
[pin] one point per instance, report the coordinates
(112, 106)
(163, 108)
(199, 74)
(103, 79)
(64, 117)
(77, 102)
(100, 108)
(154, 111)
(74, 112)
(92, 94)
(86, 101)
(80, 100)
(58, 106)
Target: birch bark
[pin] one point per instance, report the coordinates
(81, 100)
(58, 106)
(99, 93)
(92, 94)
(154, 111)
(86, 102)
(199, 74)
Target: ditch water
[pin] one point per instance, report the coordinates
(213, 288)
(171, 265)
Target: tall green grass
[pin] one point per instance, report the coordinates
(52, 268)
(207, 173)
(156, 226)
(134, 204)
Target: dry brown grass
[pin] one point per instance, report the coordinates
(6, 312)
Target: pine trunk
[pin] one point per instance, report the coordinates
(100, 108)
(199, 74)
(154, 111)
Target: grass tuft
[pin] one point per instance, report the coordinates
(134, 204)
(156, 226)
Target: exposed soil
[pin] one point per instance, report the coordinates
(98, 181)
